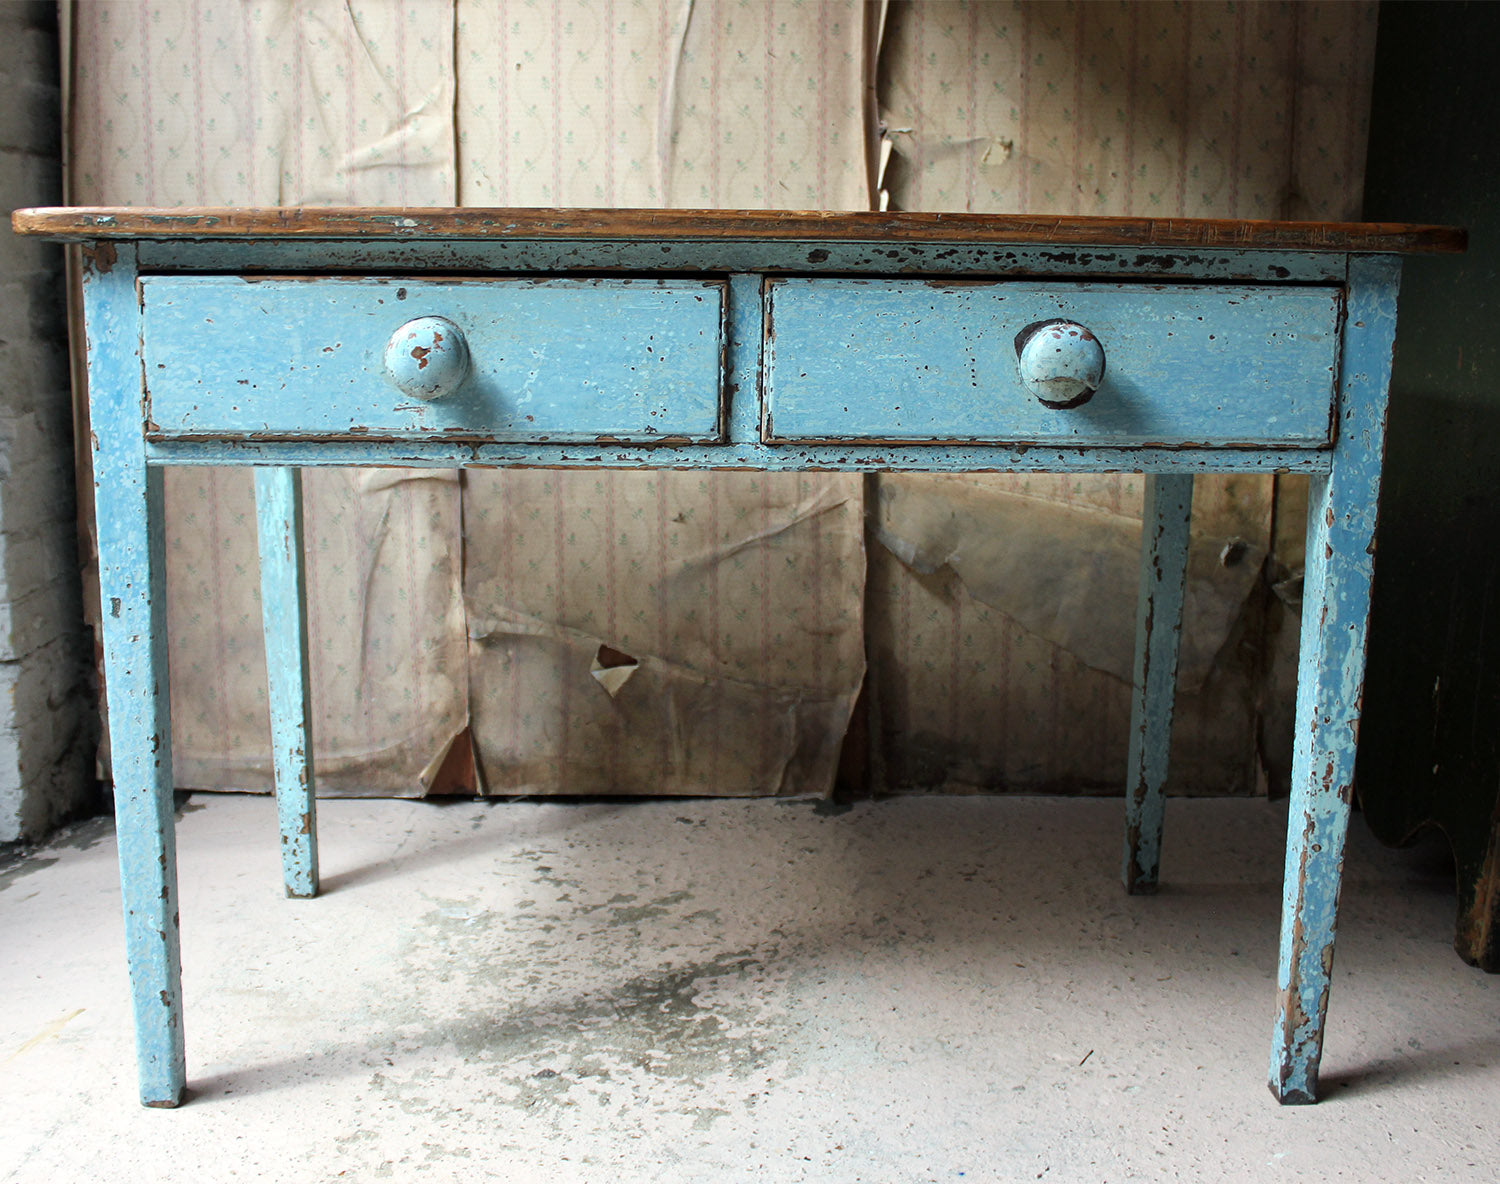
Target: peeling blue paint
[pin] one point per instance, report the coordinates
(283, 604)
(656, 370)
(1165, 523)
(132, 570)
(1330, 678)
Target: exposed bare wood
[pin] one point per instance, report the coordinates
(475, 222)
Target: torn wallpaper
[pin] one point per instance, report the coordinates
(739, 595)
(1169, 109)
(491, 594)
(262, 102)
(541, 632)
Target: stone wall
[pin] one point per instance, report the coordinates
(47, 728)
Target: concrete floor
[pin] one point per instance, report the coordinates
(915, 989)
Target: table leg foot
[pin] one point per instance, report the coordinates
(148, 878)
(131, 571)
(1318, 827)
(1289, 1096)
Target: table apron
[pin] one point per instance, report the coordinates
(861, 458)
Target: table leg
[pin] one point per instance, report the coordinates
(1328, 682)
(283, 600)
(1158, 631)
(132, 565)
(1330, 679)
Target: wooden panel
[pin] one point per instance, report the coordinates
(477, 222)
(908, 360)
(554, 359)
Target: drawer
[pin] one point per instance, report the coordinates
(913, 361)
(538, 359)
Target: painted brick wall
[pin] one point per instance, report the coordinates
(47, 729)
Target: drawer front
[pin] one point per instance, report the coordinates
(635, 360)
(912, 361)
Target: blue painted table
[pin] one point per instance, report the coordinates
(637, 339)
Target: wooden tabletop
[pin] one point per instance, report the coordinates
(95, 223)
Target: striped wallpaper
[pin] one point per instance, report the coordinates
(474, 607)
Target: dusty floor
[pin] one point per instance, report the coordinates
(916, 989)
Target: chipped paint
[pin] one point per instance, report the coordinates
(911, 362)
(682, 366)
(721, 257)
(1330, 680)
(132, 566)
(1165, 538)
(1060, 362)
(283, 598)
(441, 355)
(562, 359)
(99, 258)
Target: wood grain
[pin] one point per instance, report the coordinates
(470, 223)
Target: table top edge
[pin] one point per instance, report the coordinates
(96, 223)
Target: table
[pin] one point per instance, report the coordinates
(294, 337)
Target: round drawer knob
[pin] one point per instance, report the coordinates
(427, 358)
(1061, 363)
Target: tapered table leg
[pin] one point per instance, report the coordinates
(132, 589)
(1330, 679)
(283, 601)
(1158, 633)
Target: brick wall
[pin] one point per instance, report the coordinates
(47, 728)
